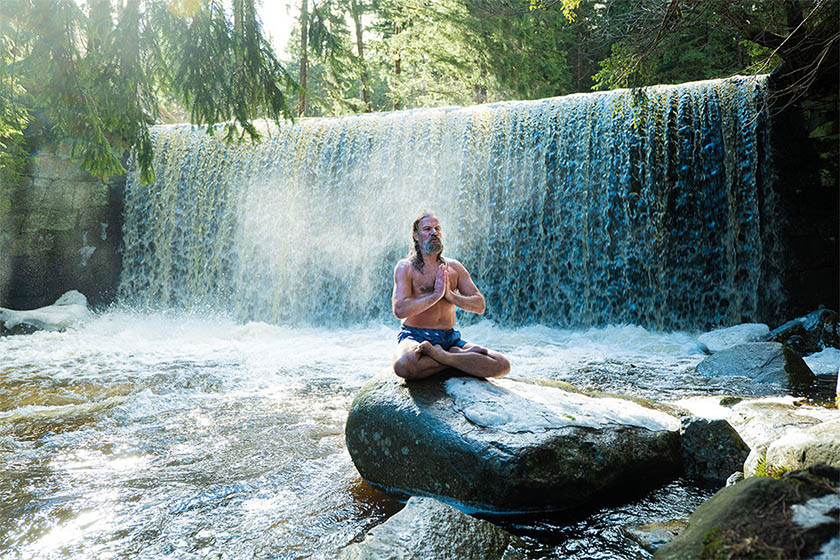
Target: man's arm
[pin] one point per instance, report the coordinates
(402, 303)
(467, 296)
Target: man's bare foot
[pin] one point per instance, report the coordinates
(434, 351)
(424, 347)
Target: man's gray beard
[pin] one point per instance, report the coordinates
(432, 246)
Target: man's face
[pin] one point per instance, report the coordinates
(430, 235)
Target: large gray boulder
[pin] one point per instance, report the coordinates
(766, 362)
(793, 517)
(504, 445)
(721, 339)
(427, 528)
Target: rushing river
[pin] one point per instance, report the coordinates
(172, 435)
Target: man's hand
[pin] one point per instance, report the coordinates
(450, 290)
(461, 291)
(441, 282)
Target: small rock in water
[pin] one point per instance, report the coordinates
(825, 362)
(730, 401)
(735, 478)
(721, 339)
(427, 528)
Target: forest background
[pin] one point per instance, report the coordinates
(97, 73)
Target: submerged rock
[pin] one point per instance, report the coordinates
(653, 536)
(810, 333)
(791, 517)
(504, 445)
(766, 362)
(721, 339)
(68, 310)
(711, 450)
(427, 528)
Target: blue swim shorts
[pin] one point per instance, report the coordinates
(447, 338)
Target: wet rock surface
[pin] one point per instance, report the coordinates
(801, 448)
(809, 333)
(653, 536)
(825, 362)
(766, 362)
(762, 422)
(711, 450)
(427, 528)
(505, 445)
(792, 517)
(68, 310)
(721, 339)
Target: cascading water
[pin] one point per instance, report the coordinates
(589, 209)
(160, 433)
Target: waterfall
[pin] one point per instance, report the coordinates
(655, 208)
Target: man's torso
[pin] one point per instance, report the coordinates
(442, 314)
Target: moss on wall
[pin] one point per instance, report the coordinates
(60, 230)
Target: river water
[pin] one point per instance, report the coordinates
(181, 435)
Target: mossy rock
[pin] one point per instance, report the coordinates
(754, 519)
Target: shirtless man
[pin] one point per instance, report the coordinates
(427, 289)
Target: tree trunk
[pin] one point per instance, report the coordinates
(98, 23)
(356, 13)
(397, 64)
(579, 61)
(304, 61)
(239, 40)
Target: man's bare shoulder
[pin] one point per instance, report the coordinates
(403, 267)
(456, 264)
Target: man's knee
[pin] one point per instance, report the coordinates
(406, 365)
(502, 366)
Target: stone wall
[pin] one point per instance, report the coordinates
(807, 144)
(60, 230)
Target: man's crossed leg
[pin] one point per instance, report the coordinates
(416, 360)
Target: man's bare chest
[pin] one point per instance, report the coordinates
(423, 283)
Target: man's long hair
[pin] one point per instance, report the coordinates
(415, 255)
